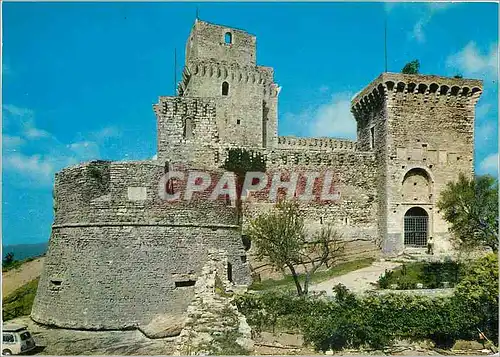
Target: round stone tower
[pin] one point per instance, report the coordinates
(120, 255)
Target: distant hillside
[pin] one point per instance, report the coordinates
(24, 251)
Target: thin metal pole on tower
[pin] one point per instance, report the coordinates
(175, 71)
(197, 13)
(385, 42)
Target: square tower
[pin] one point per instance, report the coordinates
(216, 42)
(221, 65)
(421, 129)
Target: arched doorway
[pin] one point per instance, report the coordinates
(416, 227)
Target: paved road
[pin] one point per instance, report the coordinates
(357, 281)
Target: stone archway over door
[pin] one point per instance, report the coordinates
(416, 227)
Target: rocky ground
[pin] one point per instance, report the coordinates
(57, 342)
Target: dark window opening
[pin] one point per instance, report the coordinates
(8, 338)
(169, 187)
(225, 88)
(55, 284)
(229, 272)
(243, 258)
(228, 38)
(238, 122)
(185, 283)
(320, 220)
(372, 137)
(246, 242)
(188, 128)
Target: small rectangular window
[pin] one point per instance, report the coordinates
(185, 283)
(238, 122)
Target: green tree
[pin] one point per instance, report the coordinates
(9, 259)
(411, 68)
(240, 161)
(471, 208)
(281, 238)
(478, 290)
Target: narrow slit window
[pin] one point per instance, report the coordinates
(225, 88)
(372, 137)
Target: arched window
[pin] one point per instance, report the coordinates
(416, 186)
(225, 88)
(188, 128)
(228, 38)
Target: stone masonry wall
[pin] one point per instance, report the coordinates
(128, 256)
(354, 215)
(428, 141)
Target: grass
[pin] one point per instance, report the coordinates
(319, 276)
(20, 301)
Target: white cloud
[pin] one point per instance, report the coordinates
(17, 111)
(12, 142)
(482, 110)
(333, 119)
(489, 165)
(472, 62)
(485, 132)
(418, 30)
(107, 132)
(51, 155)
(431, 8)
(35, 133)
(155, 157)
(33, 167)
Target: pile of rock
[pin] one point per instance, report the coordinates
(213, 324)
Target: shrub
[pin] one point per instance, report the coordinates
(350, 321)
(478, 291)
(431, 275)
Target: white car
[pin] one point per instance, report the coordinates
(16, 340)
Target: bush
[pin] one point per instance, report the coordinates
(478, 290)
(350, 321)
(431, 275)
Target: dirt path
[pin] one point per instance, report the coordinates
(16, 278)
(357, 281)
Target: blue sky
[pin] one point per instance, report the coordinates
(79, 79)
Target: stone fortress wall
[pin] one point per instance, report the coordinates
(119, 256)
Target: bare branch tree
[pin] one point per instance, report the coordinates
(281, 238)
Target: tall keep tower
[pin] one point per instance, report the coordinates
(221, 65)
(421, 129)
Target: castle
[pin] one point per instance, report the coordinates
(119, 256)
